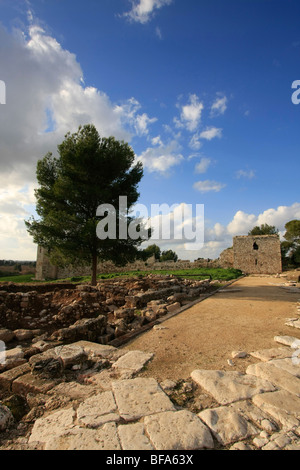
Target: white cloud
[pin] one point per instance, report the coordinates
(208, 186)
(241, 223)
(156, 140)
(142, 11)
(46, 98)
(219, 106)
(158, 32)
(220, 236)
(249, 174)
(195, 142)
(16, 205)
(203, 165)
(190, 114)
(211, 133)
(162, 158)
(142, 123)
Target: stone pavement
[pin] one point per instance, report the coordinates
(109, 407)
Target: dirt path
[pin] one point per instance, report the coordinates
(245, 316)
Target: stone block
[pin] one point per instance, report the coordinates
(266, 355)
(132, 437)
(140, 397)
(286, 340)
(98, 410)
(179, 430)
(279, 377)
(283, 406)
(7, 378)
(105, 438)
(228, 387)
(227, 425)
(30, 383)
(95, 349)
(6, 335)
(133, 361)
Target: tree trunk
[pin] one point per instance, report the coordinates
(94, 270)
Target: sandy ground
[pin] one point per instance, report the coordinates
(245, 316)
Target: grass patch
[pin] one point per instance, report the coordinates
(21, 278)
(197, 274)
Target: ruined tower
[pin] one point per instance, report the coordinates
(259, 254)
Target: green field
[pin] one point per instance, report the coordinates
(213, 274)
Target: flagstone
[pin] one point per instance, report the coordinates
(133, 437)
(266, 355)
(133, 361)
(98, 410)
(140, 397)
(228, 387)
(281, 405)
(105, 438)
(279, 377)
(286, 340)
(227, 425)
(180, 430)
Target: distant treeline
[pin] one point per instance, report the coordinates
(4, 262)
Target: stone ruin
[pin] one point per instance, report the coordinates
(63, 388)
(259, 254)
(112, 309)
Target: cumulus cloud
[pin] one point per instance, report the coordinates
(142, 11)
(191, 112)
(162, 158)
(219, 237)
(203, 165)
(249, 174)
(208, 186)
(179, 228)
(211, 133)
(219, 106)
(45, 98)
(15, 205)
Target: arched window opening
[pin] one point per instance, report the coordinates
(255, 246)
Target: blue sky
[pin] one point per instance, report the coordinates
(200, 89)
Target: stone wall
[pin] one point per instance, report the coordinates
(45, 270)
(227, 258)
(257, 254)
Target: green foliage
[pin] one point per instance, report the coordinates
(90, 171)
(16, 278)
(290, 249)
(150, 251)
(212, 273)
(169, 255)
(264, 229)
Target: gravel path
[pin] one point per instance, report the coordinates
(245, 316)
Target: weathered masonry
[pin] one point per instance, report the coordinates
(258, 254)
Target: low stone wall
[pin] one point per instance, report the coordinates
(45, 270)
(101, 314)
